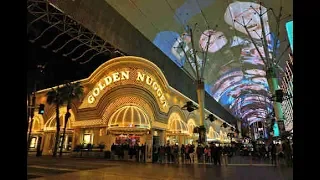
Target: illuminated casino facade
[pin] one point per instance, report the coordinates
(125, 96)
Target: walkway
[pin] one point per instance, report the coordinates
(99, 169)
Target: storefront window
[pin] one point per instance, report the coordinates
(33, 142)
(87, 138)
(66, 142)
(127, 140)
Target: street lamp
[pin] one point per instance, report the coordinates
(189, 106)
(31, 108)
(31, 105)
(211, 118)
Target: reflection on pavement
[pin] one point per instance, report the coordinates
(102, 169)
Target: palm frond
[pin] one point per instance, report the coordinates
(54, 96)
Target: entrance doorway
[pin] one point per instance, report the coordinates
(156, 141)
(126, 139)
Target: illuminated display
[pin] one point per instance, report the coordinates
(125, 75)
(87, 138)
(276, 132)
(234, 73)
(289, 27)
(33, 142)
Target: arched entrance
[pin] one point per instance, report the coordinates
(192, 136)
(129, 133)
(177, 130)
(36, 132)
(129, 124)
(213, 136)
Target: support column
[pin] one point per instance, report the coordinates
(75, 138)
(239, 128)
(273, 85)
(200, 94)
(149, 144)
(48, 141)
(162, 137)
(110, 139)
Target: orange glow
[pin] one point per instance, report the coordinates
(43, 100)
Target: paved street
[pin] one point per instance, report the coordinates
(47, 168)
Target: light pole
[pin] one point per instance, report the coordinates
(260, 38)
(31, 106)
(31, 109)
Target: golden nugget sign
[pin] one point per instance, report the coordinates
(125, 75)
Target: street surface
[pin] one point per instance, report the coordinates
(48, 168)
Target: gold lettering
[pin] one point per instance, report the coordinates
(149, 80)
(164, 104)
(96, 92)
(155, 86)
(101, 86)
(159, 92)
(116, 77)
(108, 80)
(162, 99)
(91, 99)
(140, 77)
(124, 75)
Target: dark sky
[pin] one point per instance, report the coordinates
(58, 68)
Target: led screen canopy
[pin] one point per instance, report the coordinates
(289, 27)
(234, 73)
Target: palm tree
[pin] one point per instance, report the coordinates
(71, 91)
(55, 97)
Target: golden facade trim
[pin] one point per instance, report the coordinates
(93, 122)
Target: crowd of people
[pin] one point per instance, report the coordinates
(136, 151)
(217, 154)
(190, 153)
(278, 153)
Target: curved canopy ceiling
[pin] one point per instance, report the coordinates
(234, 73)
(176, 125)
(129, 116)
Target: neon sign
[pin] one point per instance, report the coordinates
(125, 75)
(155, 86)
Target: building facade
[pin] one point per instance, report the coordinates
(287, 87)
(125, 99)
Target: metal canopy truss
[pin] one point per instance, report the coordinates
(80, 38)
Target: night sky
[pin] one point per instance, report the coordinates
(58, 68)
